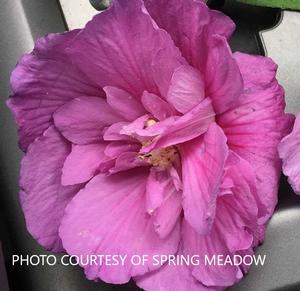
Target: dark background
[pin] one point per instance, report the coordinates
(21, 22)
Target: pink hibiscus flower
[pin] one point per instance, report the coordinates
(289, 151)
(144, 135)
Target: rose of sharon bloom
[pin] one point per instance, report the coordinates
(289, 151)
(144, 135)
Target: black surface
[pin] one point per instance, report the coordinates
(23, 21)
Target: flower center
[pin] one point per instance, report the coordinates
(161, 158)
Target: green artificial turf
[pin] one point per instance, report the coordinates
(283, 4)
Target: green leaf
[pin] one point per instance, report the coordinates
(283, 4)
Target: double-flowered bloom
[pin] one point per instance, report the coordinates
(144, 134)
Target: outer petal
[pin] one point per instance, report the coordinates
(43, 198)
(124, 104)
(82, 163)
(187, 21)
(170, 278)
(221, 24)
(201, 36)
(255, 127)
(82, 120)
(108, 217)
(203, 161)
(210, 245)
(234, 230)
(122, 43)
(289, 152)
(43, 81)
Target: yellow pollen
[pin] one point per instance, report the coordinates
(161, 158)
(150, 122)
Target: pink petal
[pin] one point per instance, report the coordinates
(167, 216)
(209, 245)
(113, 132)
(126, 161)
(82, 120)
(203, 160)
(163, 68)
(163, 201)
(170, 278)
(134, 127)
(82, 163)
(224, 83)
(185, 128)
(115, 148)
(290, 154)
(189, 23)
(257, 124)
(184, 20)
(201, 35)
(220, 24)
(235, 227)
(157, 182)
(246, 202)
(122, 42)
(158, 108)
(43, 81)
(123, 103)
(43, 198)
(108, 217)
(186, 89)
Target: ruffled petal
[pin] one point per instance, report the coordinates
(163, 201)
(201, 35)
(289, 152)
(43, 81)
(210, 245)
(203, 160)
(234, 230)
(113, 132)
(82, 120)
(186, 89)
(157, 182)
(108, 217)
(127, 161)
(170, 278)
(257, 124)
(243, 186)
(115, 148)
(123, 103)
(181, 129)
(43, 198)
(185, 21)
(156, 106)
(221, 24)
(223, 80)
(122, 42)
(82, 163)
(167, 216)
